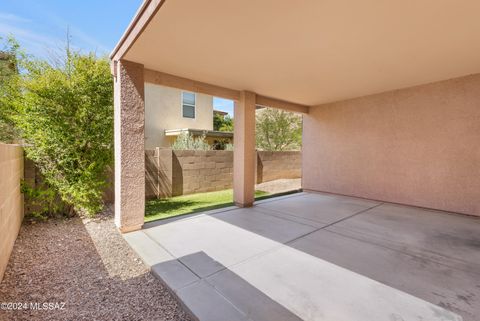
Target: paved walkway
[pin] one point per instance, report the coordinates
(319, 257)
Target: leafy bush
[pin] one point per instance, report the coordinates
(64, 111)
(186, 141)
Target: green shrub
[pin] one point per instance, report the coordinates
(43, 202)
(64, 112)
(186, 141)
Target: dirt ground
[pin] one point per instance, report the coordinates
(280, 185)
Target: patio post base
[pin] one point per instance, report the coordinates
(243, 205)
(127, 229)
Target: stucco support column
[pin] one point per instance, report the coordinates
(129, 130)
(244, 150)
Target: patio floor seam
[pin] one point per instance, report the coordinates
(266, 212)
(333, 223)
(313, 221)
(274, 248)
(225, 298)
(155, 241)
(175, 292)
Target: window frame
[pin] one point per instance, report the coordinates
(182, 104)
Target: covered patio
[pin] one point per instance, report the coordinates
(390, 96)
(315, 256)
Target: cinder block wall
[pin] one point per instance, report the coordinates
(277, 165)
(418, 146)
(158, 173)
(201, 171)
(180, 172)
(11, 200)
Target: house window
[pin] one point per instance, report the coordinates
(188, 104)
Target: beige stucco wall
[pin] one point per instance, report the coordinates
(163, 110)
(11, 200)
(418, 146)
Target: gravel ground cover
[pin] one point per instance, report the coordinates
(86, 271)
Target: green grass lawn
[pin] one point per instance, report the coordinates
(186, 204)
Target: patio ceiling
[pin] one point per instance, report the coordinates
(309, 52)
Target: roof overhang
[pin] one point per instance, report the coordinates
(308, 52)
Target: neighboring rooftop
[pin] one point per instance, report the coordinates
(220, 112)
(198, 132)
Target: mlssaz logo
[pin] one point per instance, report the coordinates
(47, 306)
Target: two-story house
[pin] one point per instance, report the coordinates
(171, 111)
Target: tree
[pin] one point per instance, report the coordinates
(223, 123)
(64, 112)
(8, 69)
(278, 130)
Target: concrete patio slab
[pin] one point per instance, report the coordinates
(205, 303)
(222, 241)
(269, 226)
(271, 262)
(251, 301)
(437, 283)
(315, 289)
(447, 238)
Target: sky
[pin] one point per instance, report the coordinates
(40, 26)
